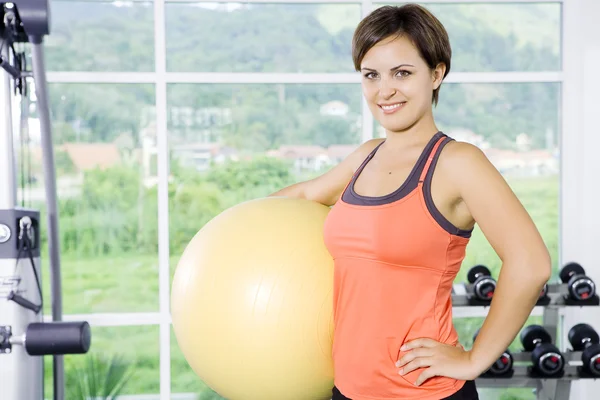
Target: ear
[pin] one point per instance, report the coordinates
(438, 75)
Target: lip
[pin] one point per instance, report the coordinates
(393, 110)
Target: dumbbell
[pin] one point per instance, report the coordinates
(544, 292)
(584, 338)
(546, 358)
(580, 286)
(502, 366)
(484, 285)
(543, 299)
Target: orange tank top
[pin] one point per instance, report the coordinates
(395, 260)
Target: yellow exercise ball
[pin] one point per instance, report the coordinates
(251, 302)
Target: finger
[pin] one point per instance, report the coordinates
(427, 374)
(420, 362)
(421, 342)
(408, 357)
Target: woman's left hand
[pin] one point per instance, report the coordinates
(437, 359)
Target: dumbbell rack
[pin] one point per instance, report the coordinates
(546, 388)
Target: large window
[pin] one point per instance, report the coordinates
(107, 196)
(101, 36)
(249, 37)
(252, 97)
(502, 37)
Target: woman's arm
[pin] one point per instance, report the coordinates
(526, 264)
(297, 190)
(327, 188)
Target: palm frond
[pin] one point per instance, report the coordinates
(97, 377)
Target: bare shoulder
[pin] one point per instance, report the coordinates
(465, 164)
(458, 155)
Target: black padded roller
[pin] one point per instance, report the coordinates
(58, 338)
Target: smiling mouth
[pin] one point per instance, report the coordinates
(390, 108)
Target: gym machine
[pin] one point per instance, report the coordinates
(541, 365)
(24, 336)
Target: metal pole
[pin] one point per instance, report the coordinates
(41, 86)
(8, 187)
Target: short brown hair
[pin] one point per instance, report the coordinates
(415, 22)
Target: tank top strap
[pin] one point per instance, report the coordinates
(365, 161)
(433, 155)
(360, 168)
(369, 157)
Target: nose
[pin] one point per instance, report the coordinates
(386, 89)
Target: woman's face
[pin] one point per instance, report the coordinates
(397, 83)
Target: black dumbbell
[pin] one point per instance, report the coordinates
(584, 338)
(546, 358)
(580, 286)
(543, 299)
(502, 366)
(484, 285)
(544, 292)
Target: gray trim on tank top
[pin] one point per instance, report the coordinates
(410, 184)
(437, 215)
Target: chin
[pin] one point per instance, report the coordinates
(401, 121)
(396, 126)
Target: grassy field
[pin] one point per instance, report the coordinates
(130, 284)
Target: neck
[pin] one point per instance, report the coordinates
(415, 135)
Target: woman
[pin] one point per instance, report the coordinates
(403, 211)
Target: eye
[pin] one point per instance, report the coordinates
(403, 73)
(370, 75)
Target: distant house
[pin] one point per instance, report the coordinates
(335, 108)
(524, 163)
(468, 136)
(338, 152)
(523, 142)
(312, 158)
(201, 155)
(80, 156)
(71, 161)
(304, 157)
(86, 156)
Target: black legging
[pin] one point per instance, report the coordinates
(467, 392)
